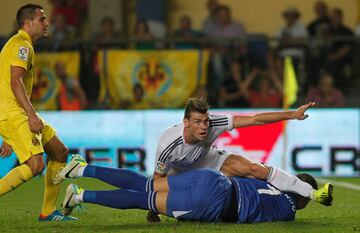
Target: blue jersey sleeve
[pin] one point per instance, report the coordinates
(261, 202)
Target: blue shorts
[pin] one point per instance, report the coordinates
(198, 195)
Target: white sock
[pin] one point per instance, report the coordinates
(80, 171)
(289, 183)
(79, 197)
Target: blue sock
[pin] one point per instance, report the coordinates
(121, 178)
(122, 199)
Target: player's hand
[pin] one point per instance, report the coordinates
(5, 150)
(36, 125)
(299, 113)
(151, 217)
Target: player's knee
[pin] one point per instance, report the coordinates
(36, 164)
(65, 152)
(258, 171)
(40, 167)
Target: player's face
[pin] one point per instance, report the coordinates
(198, 125)
(39, 24)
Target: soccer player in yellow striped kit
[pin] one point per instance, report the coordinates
(21, 128)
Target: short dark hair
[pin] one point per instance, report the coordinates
(195, 105)
(301, 201)
(308, 179)
(26, 12)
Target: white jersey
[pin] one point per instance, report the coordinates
(173, 153)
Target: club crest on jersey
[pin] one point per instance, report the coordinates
(35, 142)
(160, 166)
(24, 53)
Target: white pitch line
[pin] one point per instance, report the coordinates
(340, 184)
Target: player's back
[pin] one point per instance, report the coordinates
(261, 202)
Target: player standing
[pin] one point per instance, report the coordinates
(21, 128)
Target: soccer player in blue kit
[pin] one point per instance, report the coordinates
(197, 195)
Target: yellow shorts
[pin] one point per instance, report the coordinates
(15, 130)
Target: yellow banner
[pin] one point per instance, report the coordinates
(46, 81)
(150, 79)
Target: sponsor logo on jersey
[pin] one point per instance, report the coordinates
(24, 53)
(35, 142)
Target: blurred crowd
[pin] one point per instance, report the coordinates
(244, 70)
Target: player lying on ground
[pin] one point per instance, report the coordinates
(201, 195)
(188, 146)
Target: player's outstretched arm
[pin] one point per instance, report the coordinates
(271, 117)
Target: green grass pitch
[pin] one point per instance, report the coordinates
(19, 211)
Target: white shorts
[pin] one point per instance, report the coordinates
(213, 159)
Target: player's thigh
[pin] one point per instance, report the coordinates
(17, 133)
(237, 165)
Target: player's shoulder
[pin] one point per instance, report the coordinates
(18, 44)
(18, 40)
(171, 134)
(219, 119)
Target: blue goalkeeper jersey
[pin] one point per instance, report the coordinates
(259, 201)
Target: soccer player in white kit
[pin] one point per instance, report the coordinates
(188, 145)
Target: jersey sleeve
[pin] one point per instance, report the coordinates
(21, 55)
(221, 123)
(162, 165)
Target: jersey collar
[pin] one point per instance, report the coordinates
(24, 34)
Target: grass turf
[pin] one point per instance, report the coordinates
(19, 211)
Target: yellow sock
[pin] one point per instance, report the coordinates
(15, 178)
(51, 190)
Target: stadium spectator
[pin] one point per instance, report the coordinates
(138, 101)
(144, 40)
(338, 60)
(231, 90)
(320, 25)
(61, 35)
(199, 195)
(75, 12)
(209, 21)
(21, 127)
(230, 43)
(153, 13)
(293, 40)
(318, 29)
(294, 31)
(107, 34)
(71, 96)
(266, 92)
(325, 94)
(186, 34)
